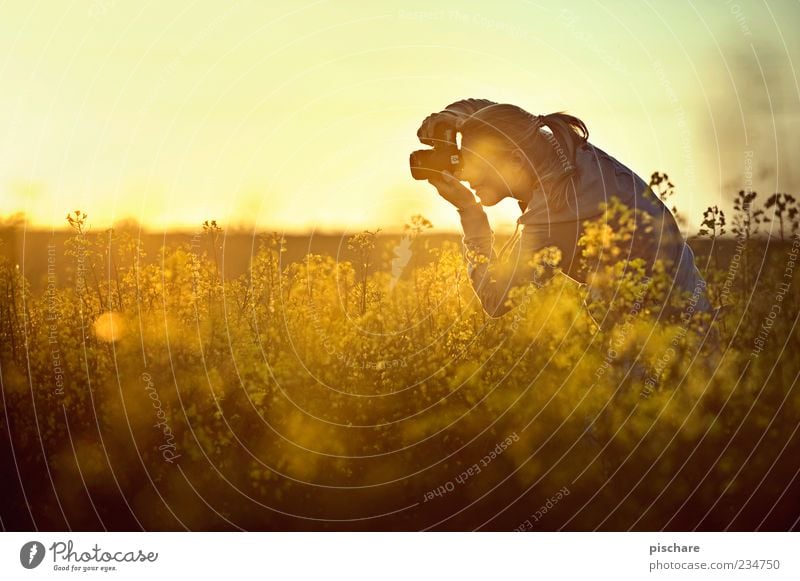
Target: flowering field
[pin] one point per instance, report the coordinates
(369, 390)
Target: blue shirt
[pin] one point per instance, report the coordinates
(599, 176)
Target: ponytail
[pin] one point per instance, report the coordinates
(567, 134)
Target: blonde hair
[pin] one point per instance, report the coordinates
(551, 154)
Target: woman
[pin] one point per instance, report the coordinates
(560, 180)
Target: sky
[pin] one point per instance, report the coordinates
(299, 116)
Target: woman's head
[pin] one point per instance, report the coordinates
(507, 152)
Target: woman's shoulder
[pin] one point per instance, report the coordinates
(603, 176)
(582, 196)
(598, 177)
(596, 165)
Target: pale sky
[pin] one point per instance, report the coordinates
(300, 116)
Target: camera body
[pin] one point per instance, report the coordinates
(445, 155)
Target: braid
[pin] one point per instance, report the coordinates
(467, 107)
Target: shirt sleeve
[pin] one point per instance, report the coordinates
(491, 279)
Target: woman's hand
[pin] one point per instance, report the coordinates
(453, 190)
(426, 130)
(446, 184)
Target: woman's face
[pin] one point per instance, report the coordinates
(493, 171)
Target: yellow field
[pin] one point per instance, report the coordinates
(367, 389)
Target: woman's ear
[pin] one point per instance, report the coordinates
(522, 165)
(519, 157)
(520, 160)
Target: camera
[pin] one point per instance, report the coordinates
(445, 155)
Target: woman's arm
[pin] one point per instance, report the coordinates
(492, 279)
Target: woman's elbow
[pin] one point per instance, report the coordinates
(496, 305)
(495, 309)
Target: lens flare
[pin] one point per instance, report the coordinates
(109, 327)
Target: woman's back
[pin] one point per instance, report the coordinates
(599, 178)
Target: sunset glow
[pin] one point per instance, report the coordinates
(301, 116)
